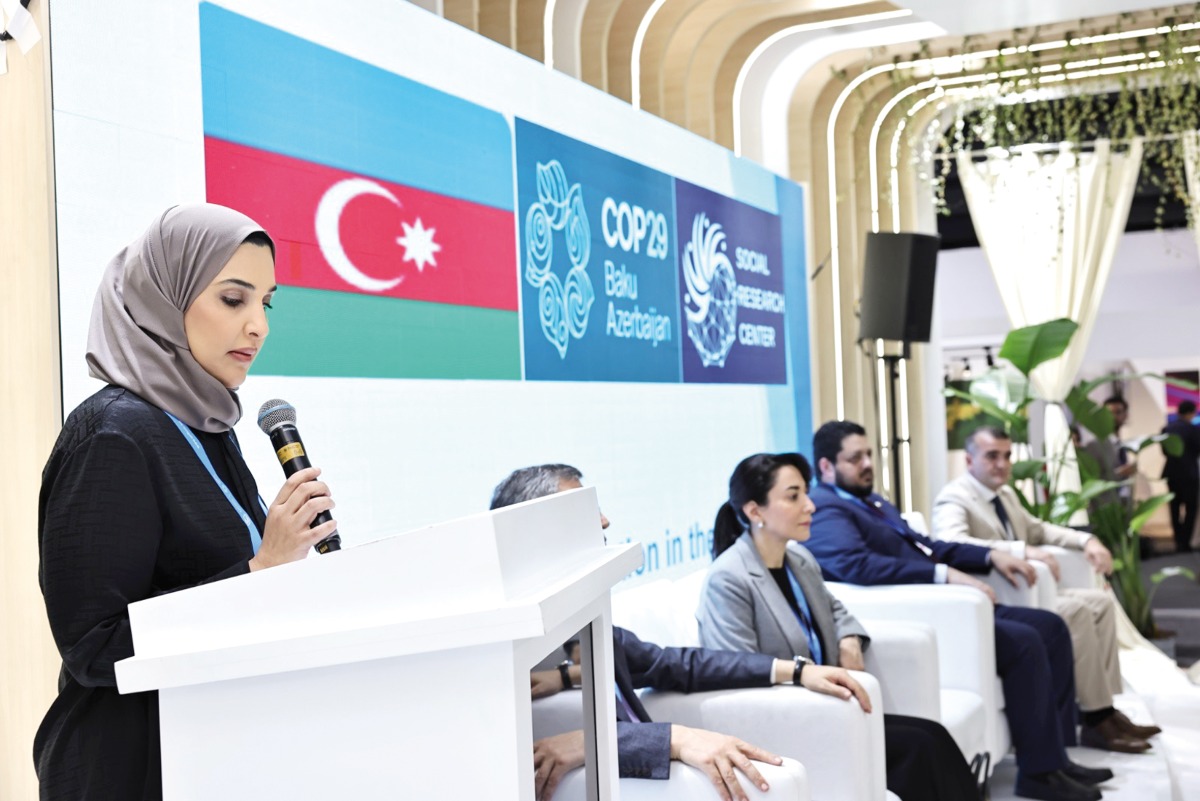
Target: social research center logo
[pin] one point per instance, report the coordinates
(711, 300)
(563, 306)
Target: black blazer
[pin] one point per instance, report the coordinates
(1184, 468)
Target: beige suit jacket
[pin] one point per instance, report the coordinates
(963, 511)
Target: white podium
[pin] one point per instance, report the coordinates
(397, 669)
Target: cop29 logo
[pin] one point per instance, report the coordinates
(563, 305)
(711, 300)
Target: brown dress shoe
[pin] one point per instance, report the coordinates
(1134, 730)
(1109, 736)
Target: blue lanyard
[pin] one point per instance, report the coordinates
(805, 615)
(900, 527)
(255, 537)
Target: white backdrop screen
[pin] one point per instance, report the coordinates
(482, 264)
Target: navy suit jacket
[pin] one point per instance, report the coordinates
(644, 748)
(854, 544)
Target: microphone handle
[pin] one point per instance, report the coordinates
(290, 452)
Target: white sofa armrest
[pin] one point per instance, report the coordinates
(841, 746)
(788, 782)
(903, 657)
(1007, 594)
(964, 621)
(961, 616)
(1076, 572)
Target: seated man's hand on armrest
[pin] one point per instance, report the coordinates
(553, 758)
(1010, 567)
(1046, 558)
(956, 576)
(1098, 556)
(717, 755)
(545, 682)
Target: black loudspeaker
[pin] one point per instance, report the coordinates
(897, 299)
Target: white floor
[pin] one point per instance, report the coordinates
(1157, 691)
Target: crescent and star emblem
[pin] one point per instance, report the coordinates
(417, 241)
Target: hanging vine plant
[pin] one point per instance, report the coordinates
(1137, 78)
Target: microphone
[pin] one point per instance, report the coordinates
(277, 419)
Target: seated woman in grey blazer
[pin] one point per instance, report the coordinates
(764, 593)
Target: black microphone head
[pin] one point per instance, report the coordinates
(275, 413)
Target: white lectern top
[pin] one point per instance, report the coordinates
(395, 656)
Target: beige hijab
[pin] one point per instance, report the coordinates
(136, 339)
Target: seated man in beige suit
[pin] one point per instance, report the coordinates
(979, 507)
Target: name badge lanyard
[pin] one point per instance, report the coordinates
(255, 537)
(898, 526)
(805, 616)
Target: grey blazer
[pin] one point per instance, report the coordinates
(742, 609)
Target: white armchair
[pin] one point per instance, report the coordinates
(792, 723)
(971, 700)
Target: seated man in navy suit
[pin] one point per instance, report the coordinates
(859, 537)
(645, 748)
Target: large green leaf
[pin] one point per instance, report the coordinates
(1089, 468)
(1170, 572)
(1026, 348)
(1027, 469)
(1172, 445)
(1089, 414)
(1146, 509)
(1093, 488)
(987, 404)
(1088, 386)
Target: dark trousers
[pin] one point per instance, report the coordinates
(923, 761)
(1183, 512)
(1036, 666)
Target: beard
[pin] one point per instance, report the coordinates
(857, 490)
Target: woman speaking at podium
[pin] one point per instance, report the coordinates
(146, 491)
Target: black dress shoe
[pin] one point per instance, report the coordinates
(1054, 786)
(1087, 775)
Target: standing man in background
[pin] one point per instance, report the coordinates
(1182, 473)
(1113, 460)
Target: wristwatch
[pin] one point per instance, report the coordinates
(564, 671)
(800, 662)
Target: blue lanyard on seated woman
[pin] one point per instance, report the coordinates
(255, 537)
(804, 615)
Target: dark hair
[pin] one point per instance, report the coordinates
(752, 480)
(260, 238)
(1116, 399)
(995, 432)
(1186, 407)
(532, 482)
(827, 442)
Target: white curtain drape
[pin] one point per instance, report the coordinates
(1191, 164)
(1049, 224)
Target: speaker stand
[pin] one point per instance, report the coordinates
(892, 360)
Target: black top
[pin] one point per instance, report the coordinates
(127, 511)
(785, 586)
